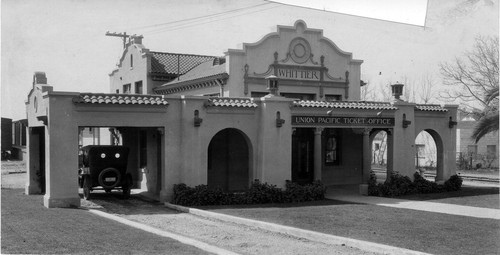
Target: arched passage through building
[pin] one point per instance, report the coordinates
(229, 154)
(145, 156)
(379, 150)
(429, 154)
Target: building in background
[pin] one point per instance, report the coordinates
(6, 138)
(472, 155)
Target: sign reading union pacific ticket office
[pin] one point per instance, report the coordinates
(341, 121)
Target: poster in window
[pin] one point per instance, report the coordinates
(331, 150)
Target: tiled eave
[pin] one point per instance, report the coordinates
(430, 108)
(119, 99)
(346, 105)
(231, 102)
(176, 87)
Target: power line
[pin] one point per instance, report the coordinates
(196, 23)
(202, 17)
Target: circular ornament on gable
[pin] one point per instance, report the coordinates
(300, 50)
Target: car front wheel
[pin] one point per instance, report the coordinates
(86, 187)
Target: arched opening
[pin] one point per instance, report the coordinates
(303, 155)
(228, 161)
(379, 147)
(429, 154)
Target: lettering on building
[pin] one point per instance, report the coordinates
(341, 121)
(297, 74)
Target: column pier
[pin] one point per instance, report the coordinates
(367, 159)
(390, 154)
(318, 166)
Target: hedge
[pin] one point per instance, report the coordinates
(258, 193)
(398, 185)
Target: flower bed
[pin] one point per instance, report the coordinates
(398, 185)
(259, 193)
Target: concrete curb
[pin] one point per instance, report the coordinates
(182, 239)
(300, 233)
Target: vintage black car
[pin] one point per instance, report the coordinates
(104, 167)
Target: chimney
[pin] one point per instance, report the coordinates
(137, 39)
(39, 78)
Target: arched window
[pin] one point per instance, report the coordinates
(131, 61)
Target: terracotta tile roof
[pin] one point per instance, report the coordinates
(91, 98)
(231, 102)
(173, 63)
(430, 107)
(202, 71)
(346, 105)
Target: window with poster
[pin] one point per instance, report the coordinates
(332, 147)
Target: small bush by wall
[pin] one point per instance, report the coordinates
(398, 185)
(258, 193)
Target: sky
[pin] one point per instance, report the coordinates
(66, 38)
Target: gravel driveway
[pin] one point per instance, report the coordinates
(230, 236)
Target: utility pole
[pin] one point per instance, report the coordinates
(124, 36)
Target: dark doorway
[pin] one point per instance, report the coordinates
(228, 161)
(38, 141)
(303, 155)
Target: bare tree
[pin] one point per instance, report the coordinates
(473, 79)
(367, 92)
(471, 76)
(426, 90)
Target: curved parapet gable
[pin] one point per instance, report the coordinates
(299, 27)
(135, 42)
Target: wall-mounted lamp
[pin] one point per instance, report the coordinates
(272, 85)
(397, 90)
(406, 123)
(197, 119)
(452, 123)
(279, 120)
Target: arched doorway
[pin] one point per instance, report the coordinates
(429, 154)
(303, 155)
(379, 149)
(228, 161)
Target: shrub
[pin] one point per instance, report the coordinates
(258, 193)
(398, 185)
(421, 185)
(454, 183)
(372, 185)
(262, 193)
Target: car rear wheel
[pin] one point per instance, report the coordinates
(86, 187)
(127, 186)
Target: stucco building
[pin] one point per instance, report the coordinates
(472, 154)
(284, 108)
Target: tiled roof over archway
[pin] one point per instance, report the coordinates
(231, 102)
(91, 98)
(346, 105)
(430, 107)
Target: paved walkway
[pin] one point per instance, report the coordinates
(350, 193)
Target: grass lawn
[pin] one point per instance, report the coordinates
(422, 231)
(467, 195)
